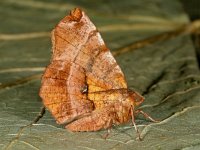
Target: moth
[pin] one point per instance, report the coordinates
(83, 86)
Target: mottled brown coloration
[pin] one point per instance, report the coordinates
(83, 80)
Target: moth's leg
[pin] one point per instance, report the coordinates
(40, 115)
(105, 136)
(134, 124)
(101, 119)
(145, 115)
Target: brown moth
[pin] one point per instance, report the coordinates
(83, 85)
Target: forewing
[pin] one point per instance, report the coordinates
(105, 74)
(64, 78)
(80, 59)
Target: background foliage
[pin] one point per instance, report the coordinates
(166, 73)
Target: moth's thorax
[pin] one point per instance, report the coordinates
(123, 107)
(122, 111)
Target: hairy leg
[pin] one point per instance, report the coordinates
(105, 136)
(145, 115)
(134, 124)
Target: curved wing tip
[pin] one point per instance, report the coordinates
(76, 14)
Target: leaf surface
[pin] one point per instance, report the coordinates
(166, 73)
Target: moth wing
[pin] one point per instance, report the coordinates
(80, 59)
(64, 78)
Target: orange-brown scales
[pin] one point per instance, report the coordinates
(83, 85)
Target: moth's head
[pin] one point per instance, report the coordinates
(135, 98)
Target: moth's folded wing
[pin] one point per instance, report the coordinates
(61, 91)
(80, 59)
(105, 73)
(102, 70)
(64, 78)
